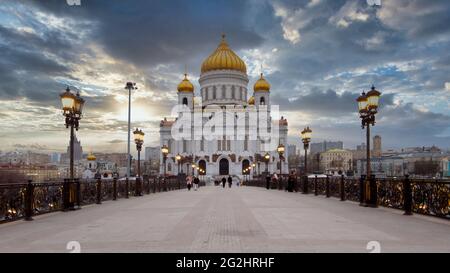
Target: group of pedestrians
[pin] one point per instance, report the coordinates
(224, 181)
(192, 181)
(274, 178)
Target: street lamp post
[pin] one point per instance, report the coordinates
(368, 108)
(129, 86)
(72, 106)
(266, 159)
(178, 158)
(165, 152)
(280, 151)
(139, 140)
(306, 138)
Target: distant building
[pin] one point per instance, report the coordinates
(21, 173)
(377, 150)
(92, 166)
(55, 157)
(317, 148)
(446, 167)
(415, 163)
(77, 152)
(24, 158)
(391, 166)
(336, 161)
(292, 150)
(118, 159)
(361, 150)
(152, 153)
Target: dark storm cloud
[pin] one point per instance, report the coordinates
(153, 32)
(418, 18)
(404, 125)
(325, 48)
(401, 47)
(27, 68)
(328, 103)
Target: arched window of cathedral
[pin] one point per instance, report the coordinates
(214, 93)
(206, 93)
(169, 167)
(202, 166)
(245, 166)
(240, 93)
(232, 92)
(262, 101)
(185, 101)
(223, 91)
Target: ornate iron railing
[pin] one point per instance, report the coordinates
(422, 196)
(24, 200)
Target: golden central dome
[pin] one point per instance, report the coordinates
(185, 85)
(223, 58)
(261, 84)
(91, 157)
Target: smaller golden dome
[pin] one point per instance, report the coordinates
(185, 85)
(261, 84)
(91, 157)
(251, 100)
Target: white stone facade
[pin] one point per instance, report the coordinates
(226, 89)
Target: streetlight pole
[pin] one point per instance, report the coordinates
(72, 106)
(165, 152)
(178, 159)
(139, 140)
(368, 108)
(266, 159)
(280, 151)
(306, 138)
(129, 86)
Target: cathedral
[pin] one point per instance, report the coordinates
(249, 142)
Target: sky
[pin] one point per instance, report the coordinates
(318, 56)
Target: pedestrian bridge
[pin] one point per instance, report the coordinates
(237, 219)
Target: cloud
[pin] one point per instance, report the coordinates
(116, 141)
(327, 103)
(418, 18)
(350, 12)
(143, 34)
(33, 146)
(317, 55)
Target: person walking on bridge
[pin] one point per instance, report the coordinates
(196, 182)
(268, 181)
(189, 182)
(224, 181)
(230, 181)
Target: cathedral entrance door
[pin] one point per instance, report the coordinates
(224, 168)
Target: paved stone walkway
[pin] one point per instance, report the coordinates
(214, 219)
